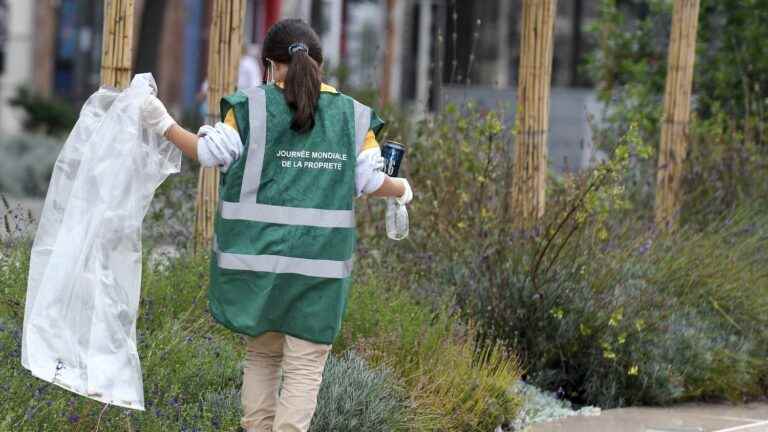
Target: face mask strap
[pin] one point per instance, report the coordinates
(271, 72)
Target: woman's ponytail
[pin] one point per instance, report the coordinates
(302, 88)
(293, 42)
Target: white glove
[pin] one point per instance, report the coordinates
(219, 145)
(155, 117)
(407, 196)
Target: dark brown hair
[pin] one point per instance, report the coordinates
(293, 42)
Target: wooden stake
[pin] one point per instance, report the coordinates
(530, 169)
(224, 51)
(677, 111)
(117, 44)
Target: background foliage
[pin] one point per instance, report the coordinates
(728, 153)
(595, 303)
(26, 163)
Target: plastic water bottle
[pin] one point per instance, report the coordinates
(397, 220)
(397, 214)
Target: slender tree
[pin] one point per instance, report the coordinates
(677, 111)
(424, 58)
(117, 44)
(151, 35)
(576, 41)
(502, 43)
(535, 74)
(224, 50)
(389, 53)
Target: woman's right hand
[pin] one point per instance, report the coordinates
(395, 187)
(407, 195)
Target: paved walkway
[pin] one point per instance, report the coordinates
(685, 418)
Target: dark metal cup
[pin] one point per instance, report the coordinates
(393, 153)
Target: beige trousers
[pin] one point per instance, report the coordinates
(302, 363)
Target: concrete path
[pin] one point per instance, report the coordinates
(685, 418)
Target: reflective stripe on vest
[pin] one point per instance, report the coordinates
(257, 143)
(362, 124)
(281, 264)
(288, 215)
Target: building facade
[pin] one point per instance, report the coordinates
(54, 46)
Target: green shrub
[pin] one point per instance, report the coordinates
(171, 216)
(26, 163)
(627, 316)
(190, 365)
(592, 300)
(458, 162)
(354, 397)
(44, 114)
(728, 155)
(452, 386)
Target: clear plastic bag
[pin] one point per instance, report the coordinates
(85, 269)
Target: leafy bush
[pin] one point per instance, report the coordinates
(593, 300)
(170, 219)
(452, 386)
(190, 365)
(44, 114)
(458, 162)
(728, 154)
(26, 163)
(643, 320)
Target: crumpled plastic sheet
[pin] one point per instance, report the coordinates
(85, 270)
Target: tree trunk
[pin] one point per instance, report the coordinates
(117, 43)
(151, 35)
(677, 111)
(424, 58)
(530, 169)
(576, 38)
(45, 45)
(389, 54)
(503, 61)
(224, 50)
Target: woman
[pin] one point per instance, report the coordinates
(285, 230)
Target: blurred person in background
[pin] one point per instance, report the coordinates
(249, 75)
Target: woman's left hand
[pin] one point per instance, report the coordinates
(155, 117)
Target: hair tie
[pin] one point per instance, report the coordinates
(296, 47)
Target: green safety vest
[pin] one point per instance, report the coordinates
(285, 230)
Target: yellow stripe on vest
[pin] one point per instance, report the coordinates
(370, 141)
(230, 120)
(370, 138)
